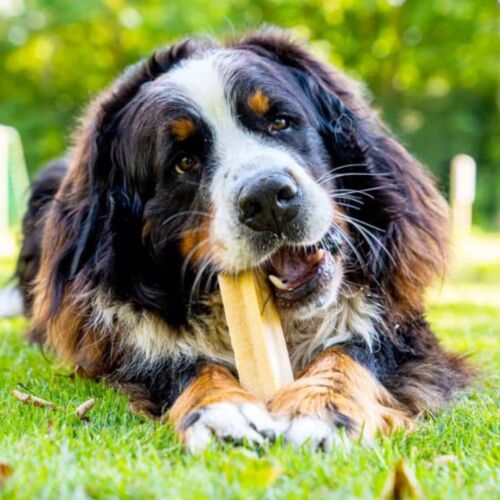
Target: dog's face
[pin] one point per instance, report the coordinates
(207, 159)
(241, 171)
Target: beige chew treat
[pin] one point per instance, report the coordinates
(256, 335)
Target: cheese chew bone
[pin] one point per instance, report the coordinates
(256, 335)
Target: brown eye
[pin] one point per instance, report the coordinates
(279, 123)
(185, 164)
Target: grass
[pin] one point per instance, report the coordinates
(117, 454)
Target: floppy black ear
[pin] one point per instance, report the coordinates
(400, 228)
(95, 195)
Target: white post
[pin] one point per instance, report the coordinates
(14, 184)
(463, 193)
(5, 239)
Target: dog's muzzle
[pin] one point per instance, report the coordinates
(272, 204)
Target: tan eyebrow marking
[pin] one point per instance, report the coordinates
(258, 102)
(183, 128)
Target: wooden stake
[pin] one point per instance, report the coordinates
(463, 193)
(256, 335)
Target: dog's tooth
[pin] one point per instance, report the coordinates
(278, 283)
(317, 257)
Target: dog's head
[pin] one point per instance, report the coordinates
(250, 155)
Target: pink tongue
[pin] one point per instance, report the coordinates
(294, 267)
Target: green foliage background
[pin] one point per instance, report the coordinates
(429, 64)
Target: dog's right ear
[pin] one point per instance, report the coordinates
(79, 233)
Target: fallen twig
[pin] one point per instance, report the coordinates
(32, 400)
(84, 408)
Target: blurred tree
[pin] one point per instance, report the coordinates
(430, 65)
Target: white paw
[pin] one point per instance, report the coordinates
(228, 422)
(321, 435)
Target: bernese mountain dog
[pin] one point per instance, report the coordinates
(219, 157)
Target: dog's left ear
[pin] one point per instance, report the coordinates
(401, 227)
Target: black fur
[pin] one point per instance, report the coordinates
(116, 223)
(42, 194)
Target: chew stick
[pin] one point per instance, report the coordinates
(256, 335)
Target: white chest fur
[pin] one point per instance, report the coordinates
(151, 339)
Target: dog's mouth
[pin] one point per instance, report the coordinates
(299, 274)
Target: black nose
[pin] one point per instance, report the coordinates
(269, 201)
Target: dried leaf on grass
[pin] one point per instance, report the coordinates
(84, 408)
(5, 472)
(32, 400)
(401, 484)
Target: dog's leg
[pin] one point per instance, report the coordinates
(335, 392)
(215, 405)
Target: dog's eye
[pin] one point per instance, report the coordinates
(185, 164)
(279, 123)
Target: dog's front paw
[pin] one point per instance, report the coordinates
(228, 422)
(336, 397)
(319, 433)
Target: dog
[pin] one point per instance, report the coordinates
(220, 157)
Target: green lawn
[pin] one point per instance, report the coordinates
(117, 454)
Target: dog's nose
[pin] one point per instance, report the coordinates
(268, 201)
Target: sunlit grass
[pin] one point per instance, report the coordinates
(117, 454)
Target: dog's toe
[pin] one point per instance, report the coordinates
(321, 435)
(228, 422)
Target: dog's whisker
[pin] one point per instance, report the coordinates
(189, 256)
(348, 197)
(195, 287)
(332, 171)
(364, 223)
(187, 213)
(362, 192)
(351, 198)
(210, 278)
(359, 174)
(347, 205)
(349, 243)
(372, 240)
